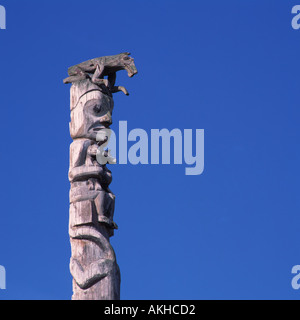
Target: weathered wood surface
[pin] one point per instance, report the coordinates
(93, 265)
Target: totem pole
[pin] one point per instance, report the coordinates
(93, 265)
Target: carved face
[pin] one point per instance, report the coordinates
(92, 113)
(129, 65)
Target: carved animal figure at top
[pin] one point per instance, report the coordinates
(96, 69)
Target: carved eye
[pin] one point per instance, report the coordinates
(97, 108)
(126, 58)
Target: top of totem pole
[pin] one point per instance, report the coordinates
(91, 93)
(93, 71)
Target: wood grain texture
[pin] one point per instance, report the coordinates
(93, 264)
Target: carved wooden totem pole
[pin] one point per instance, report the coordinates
(93, 265)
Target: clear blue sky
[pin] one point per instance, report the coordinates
(229, 67)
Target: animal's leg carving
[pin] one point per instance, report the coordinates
(120, 88)
(112, 79)
(97, 77)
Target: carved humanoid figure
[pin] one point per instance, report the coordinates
(93, 264)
